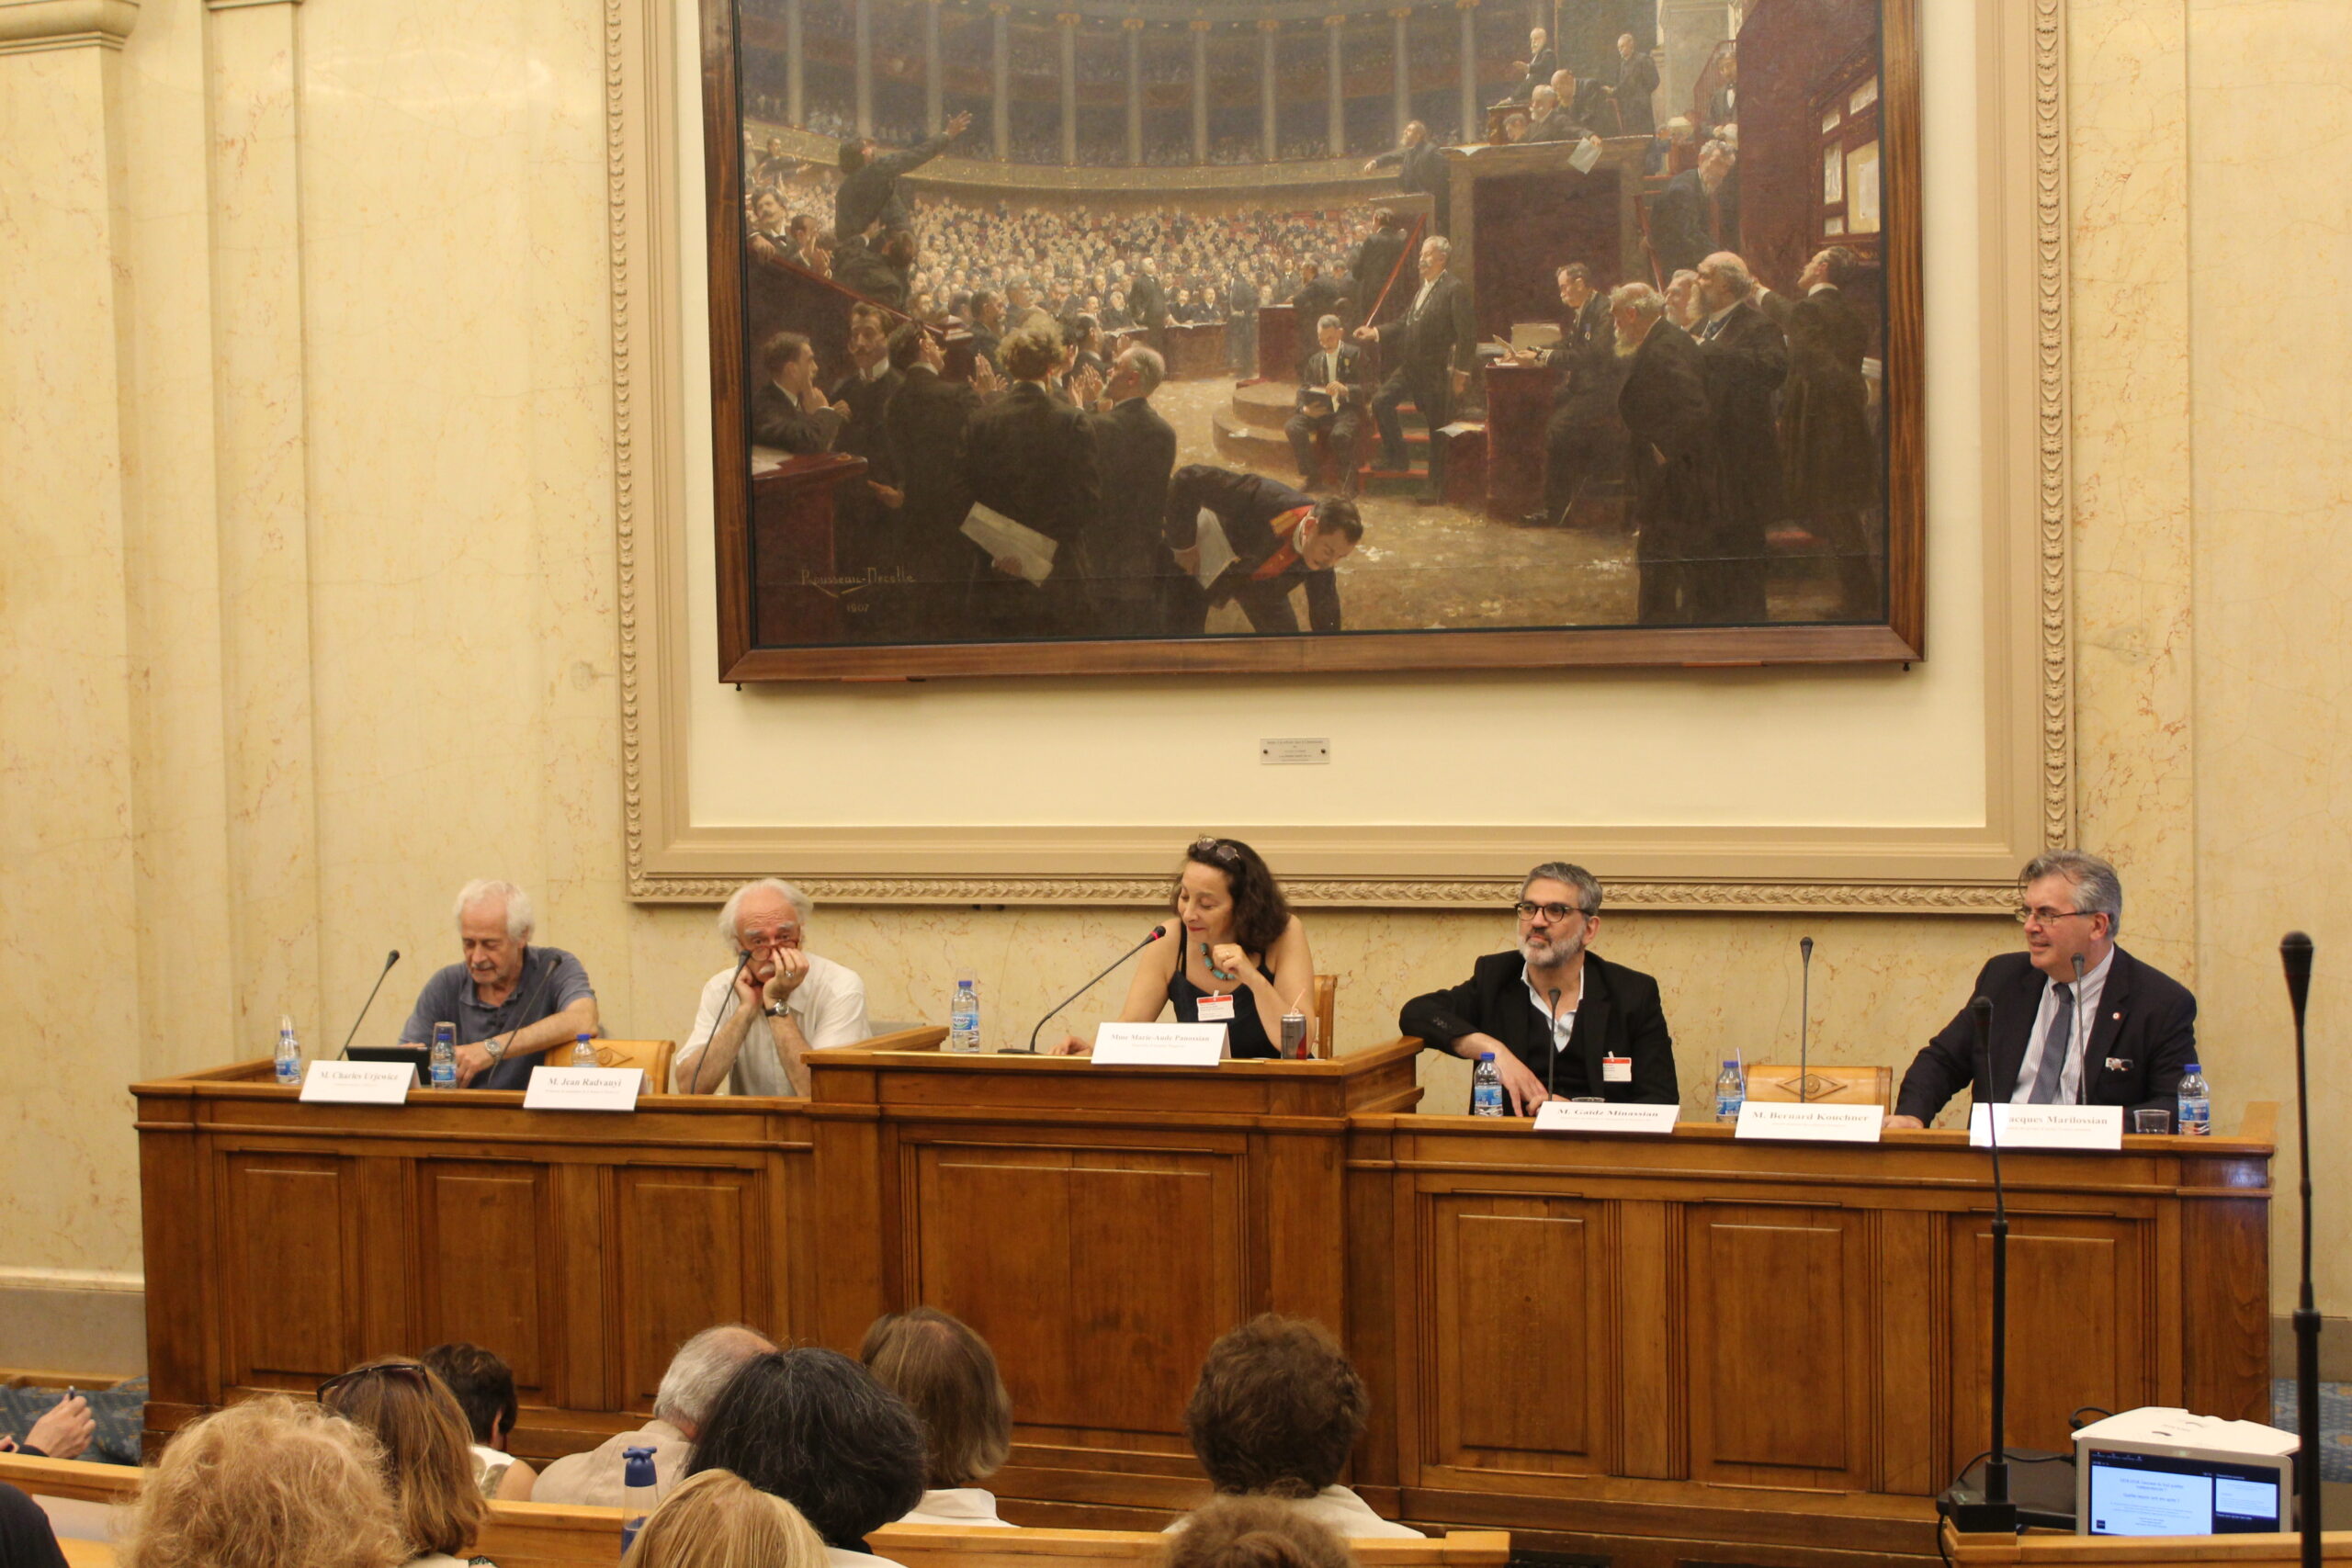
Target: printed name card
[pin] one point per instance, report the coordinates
(2048, 1127)
(1575, 1116)
(358, 1083)
(584, 1088)
(1810, 1123)
(1159, 1044)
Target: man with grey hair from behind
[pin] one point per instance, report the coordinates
(510, 1001)
(2076, 1021)
(760, 1017)
(702, 1366)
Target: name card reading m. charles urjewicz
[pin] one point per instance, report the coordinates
(584, 1088)
(1159, 1044)
(358, 1083)
(2048, 1127)
(1810, 1123)
(1587, 1116)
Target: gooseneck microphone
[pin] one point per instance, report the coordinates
(1552, 1044)
(2295, 957)
(1031, 1049)
(1997, 1467)
(389, 959)
(2082, 1069)
(743, 956)
(1804, 1019)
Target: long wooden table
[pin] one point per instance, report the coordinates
(1656, 1349)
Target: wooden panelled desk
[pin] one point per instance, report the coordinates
(1661, 1350)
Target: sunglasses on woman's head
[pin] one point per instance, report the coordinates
(407, 1371)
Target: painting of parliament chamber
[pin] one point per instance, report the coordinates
(1256, 335)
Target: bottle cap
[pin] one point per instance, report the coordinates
(285, 1023)
(638, 1469)
(583, 1038)
(1486, 1055)
(2192, 1067)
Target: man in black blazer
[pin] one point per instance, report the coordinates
(1330, 406)
(1420, 166)
(1583, 438)
(870, 179)
(1147, 297)
(1746, 359)
(1562, 1020)
(1689, 221)
(1669, 449)
(1375, 260)
(1535, 71)
(1031, 458)
(924, 425)
(2125, 1039)
(1282, 540)
(1637, 89)
(1437, 343)
(1131, 573)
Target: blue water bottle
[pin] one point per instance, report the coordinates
(1487, 1087)
(442, 1061)
(1731, 1091)
(2196, 1118)
(290, 1053)
(637, 1493)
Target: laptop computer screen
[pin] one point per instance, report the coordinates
(2134, 1493)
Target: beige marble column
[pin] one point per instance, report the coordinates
(1399, 17)
(863, 15)
(1065, 24)
(933, 113)
(1474, 118)
(1268, 95)
(1133, 27)
(1200, 26)
(796, 77)
(1001, 77)
(1335, 25)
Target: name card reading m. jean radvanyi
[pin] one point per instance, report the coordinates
(1810, 1123)
(584, 1088)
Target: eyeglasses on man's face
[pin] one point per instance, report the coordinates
(1526, 910)
(2050, 917)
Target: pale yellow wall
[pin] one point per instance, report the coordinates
(308, 608)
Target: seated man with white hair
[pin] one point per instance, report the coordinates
(760, 1017)
(510, 1001)
(702, 1366)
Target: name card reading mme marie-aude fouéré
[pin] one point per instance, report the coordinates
(584, 1088)
(2048, 1127)
(1159, 1044)
(358, 1083)
(1810, 1123)
(1594, 1116)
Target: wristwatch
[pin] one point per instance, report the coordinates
(775, 1010)
(495, 1049)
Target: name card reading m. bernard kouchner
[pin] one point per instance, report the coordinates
(1159, 1044)
(358, 1083)
(584, 1088)
(1810, 1123)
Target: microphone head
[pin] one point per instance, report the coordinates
(2078, 968)
(2295, 957)
(1805, 945)
(1157, 932)
(391, 958)
(1980, 1013)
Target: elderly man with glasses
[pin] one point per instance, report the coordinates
(2076, 1021)
(759, 1019)
(1563, 1022)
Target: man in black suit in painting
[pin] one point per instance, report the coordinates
(1281, 540)
(870, 184)
(1147, 299)
(1130, 571)
(2114, 1032)
(1375, 260)
(1031, 458)
(1582, 440)
(924, 425)
(1436, 343)
(1669, 447)
(1829, 458)
(1536, 69)
(1329, 407)
(1746, 358)
(788, 411)
(1637, 89)
(1420, 166)
(1688, 221)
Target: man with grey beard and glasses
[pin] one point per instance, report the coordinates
(1563, 1023)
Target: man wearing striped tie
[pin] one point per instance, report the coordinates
(2076, 1021)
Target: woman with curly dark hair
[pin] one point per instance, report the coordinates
(1240, 957)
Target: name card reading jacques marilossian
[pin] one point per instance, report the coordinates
(1583, 1116)
(584, 1088)
(2050, 1126)
(358, 1083)
(1810, 1123)
(1159, 1044)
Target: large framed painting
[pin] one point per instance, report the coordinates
(1264, 335)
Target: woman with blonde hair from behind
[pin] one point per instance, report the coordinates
(267, 1484)
(428, 1454)
(718, 1520)
(948, 1377)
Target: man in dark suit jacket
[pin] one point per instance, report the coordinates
(1669, 447)
(1281, 539)
(1420, 166)
(870, 187)
(1241, 325)
(924, 425)
(1375, 260)
(1536, 69)
(1322, 413)
(877, 268)
(1583, 439)
(988, 327)
(1031, 458)
(2125, 1039)
(1436, 345)
(1147, 297)
(1561, 1019)
(1549, 120)
(1687, 221)
(1130, 571)
(1829, 459)
(1318, 297)
(787, 411)
(1746, 359)
(1636, 89)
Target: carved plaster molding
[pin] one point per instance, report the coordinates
(2049, 390)
(32, 27)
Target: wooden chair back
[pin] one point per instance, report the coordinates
(940, 1546)
(653, 1056)
(1326, 1011)
(1780, 1083)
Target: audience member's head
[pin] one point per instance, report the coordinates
(947, 1375)
(1033, 352)
(483, 1386)
(700, 1372)
(1277, 1409)
(815, 1429)
(265, 1484)
(1255, 1532)
(1227, 887)
(428, 1462)
(718, 1520)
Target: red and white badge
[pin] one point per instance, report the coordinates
(1616, 1069)
(1216, 1009)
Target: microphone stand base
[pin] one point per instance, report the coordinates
(2039, 1493)
(1017, 1051)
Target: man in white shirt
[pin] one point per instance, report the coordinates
(691, 1386)
(759, 1019)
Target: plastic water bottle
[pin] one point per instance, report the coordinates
(636, 1493)
(964, 1014)
(1486, 1088)
(2196, 1118)
(584, 1050)
(1731, 1091)
(290, 1052)
(444, 1056)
